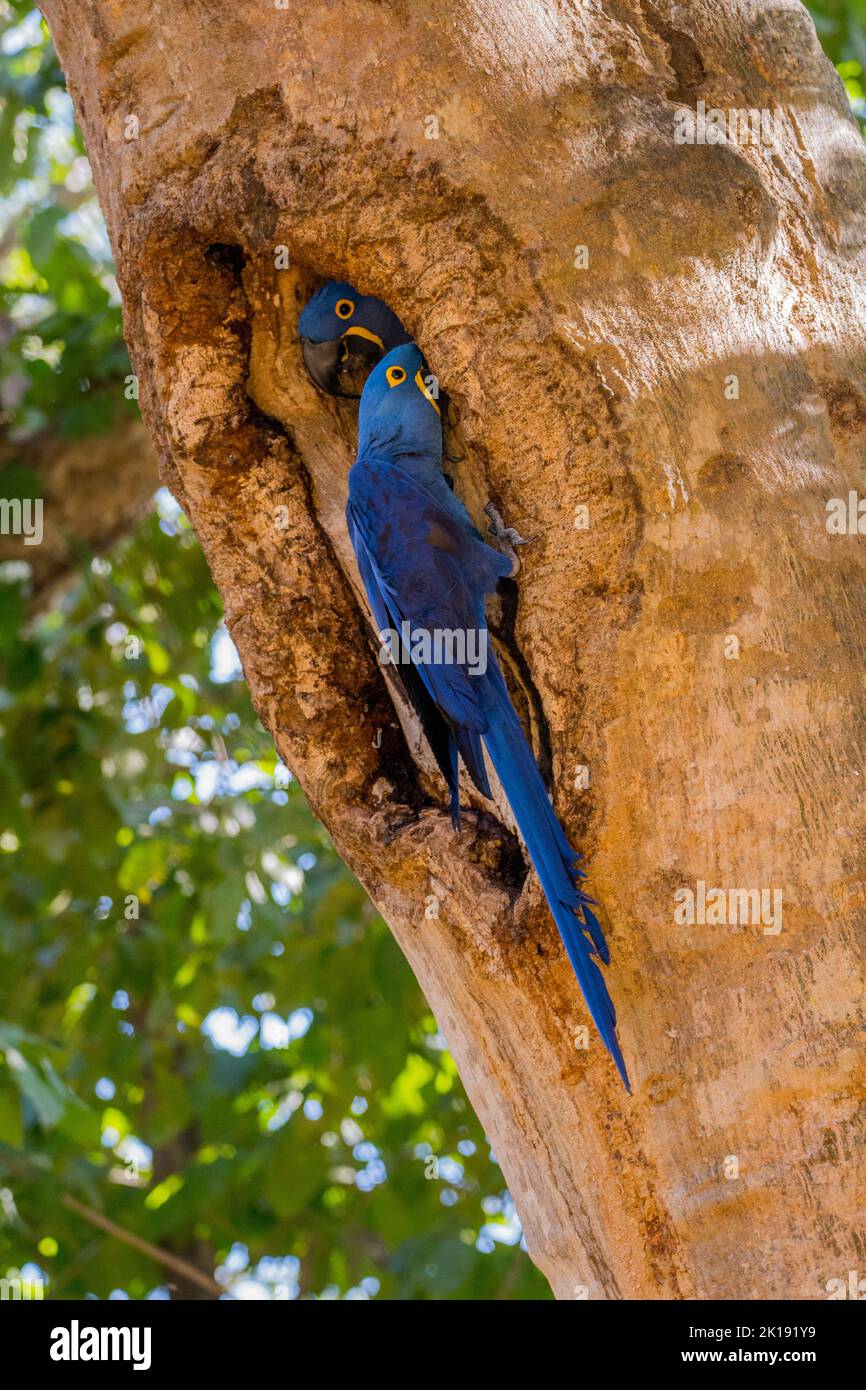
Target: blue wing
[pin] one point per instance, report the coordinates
(430, 570)
(436, 730)
(445, 737)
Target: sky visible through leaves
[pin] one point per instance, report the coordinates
(207, 1034)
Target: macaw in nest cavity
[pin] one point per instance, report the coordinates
(343, 334)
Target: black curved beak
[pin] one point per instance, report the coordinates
(322, 361)
(341, 365)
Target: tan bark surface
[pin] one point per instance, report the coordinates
(305, 127)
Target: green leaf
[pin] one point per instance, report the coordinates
(11, 1120)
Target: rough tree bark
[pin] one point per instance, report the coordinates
(220, 134)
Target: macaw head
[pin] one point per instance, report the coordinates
(399, 407)
(343, 334)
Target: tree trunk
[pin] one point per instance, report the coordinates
(667, 423)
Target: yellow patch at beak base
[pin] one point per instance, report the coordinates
(425, 391)
(364, 333)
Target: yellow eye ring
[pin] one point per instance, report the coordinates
(395, 375)
(344, 308)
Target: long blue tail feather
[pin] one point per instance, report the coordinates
(469, 743)
(556, 865)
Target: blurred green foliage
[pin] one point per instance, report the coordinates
(60, 323)
(841, 27)
(207, 1034)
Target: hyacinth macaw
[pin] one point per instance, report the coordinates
(344, 333)
(426, 569)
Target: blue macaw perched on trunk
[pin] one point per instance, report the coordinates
(343, 333)
(427, 571)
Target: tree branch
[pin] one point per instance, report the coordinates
(164, 1257)
(94, 490)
